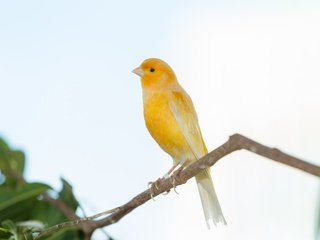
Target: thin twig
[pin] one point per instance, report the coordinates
(235, 142)
(275, 154)
(74, 223)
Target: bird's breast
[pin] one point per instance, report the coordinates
(162, 125)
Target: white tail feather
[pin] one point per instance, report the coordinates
(210, 203)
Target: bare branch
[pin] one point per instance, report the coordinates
(275, 154)
(235, 142)
(88, 229)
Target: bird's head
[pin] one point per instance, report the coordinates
(155, 73)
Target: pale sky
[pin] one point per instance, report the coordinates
(70, 101)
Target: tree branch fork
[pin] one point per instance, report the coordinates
(234, 143)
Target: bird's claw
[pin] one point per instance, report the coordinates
(154, 186)
(175, 178)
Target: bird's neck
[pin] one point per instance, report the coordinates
(154, 92)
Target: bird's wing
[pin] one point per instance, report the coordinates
(183, 111)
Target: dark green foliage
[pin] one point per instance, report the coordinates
(5, 233)
(23, 210)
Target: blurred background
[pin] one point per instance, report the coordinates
(69, 100)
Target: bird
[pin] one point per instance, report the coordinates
(172, 121)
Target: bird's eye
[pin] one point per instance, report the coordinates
(152, 69)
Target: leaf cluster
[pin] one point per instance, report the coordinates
(23, 209)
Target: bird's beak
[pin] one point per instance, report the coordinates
(138, 71)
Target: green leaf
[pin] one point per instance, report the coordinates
(17, 162)
(10, 197)
(67, 196)
(12, 165)
(4, 147)
(42, 210)
(4, 155)
(19, 212)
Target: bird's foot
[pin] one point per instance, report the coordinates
(175, 178)
(153, 187)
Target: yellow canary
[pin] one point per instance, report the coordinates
(172, 121)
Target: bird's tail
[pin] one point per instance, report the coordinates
(209, 199)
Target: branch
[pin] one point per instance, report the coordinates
(70, 214)
(86, 222)
(235, 142)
